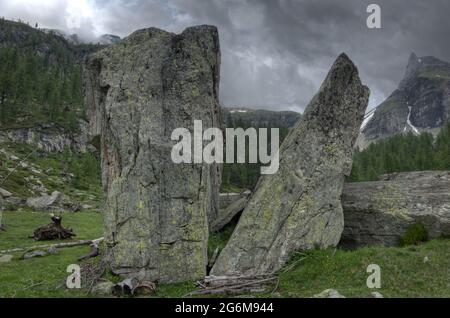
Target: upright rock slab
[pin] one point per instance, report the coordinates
(299, 207)
(137, 92)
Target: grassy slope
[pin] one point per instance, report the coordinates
(404, 273)
(46, 170)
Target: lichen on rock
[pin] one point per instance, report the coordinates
(299, 207)
(380, 212)
(137, 92)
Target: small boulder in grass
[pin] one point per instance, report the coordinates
(52, 250)
(329, 293)
(34, 254)
(376, 295)
(5, 258)
(103, 288)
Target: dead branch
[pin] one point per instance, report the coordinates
(234, 285)
(59, 245)
(35, 285)
(91, 273)
(95, 251)
(293, 265)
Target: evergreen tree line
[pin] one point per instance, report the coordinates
(35, 89)
(236, 176)
(403, 153)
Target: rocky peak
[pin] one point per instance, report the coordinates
(411, 68)
(421, 102)
(418, 66)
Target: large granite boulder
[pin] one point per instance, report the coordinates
(299, 207)
(5, 193)
(137, 93)
(46, 202)
(380, 212)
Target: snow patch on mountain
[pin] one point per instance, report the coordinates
(367, 120)
(408, 122)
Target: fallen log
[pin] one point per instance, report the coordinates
(59, 245)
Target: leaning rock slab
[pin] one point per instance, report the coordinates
(380, 212)
(137, 93)
(227, 214)
(299, 207)
(225, 199)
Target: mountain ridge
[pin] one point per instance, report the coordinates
(420, 103)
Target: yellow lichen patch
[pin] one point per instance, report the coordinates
(392, 201)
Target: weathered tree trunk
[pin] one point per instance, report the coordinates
(379, 213)
(137, 93)
(299, 207)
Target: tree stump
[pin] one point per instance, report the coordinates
(53, 231)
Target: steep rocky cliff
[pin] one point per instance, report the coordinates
(137, 92)
(421, 102)
(51, 137)
(299, 207)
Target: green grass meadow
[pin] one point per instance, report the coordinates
(404, 273)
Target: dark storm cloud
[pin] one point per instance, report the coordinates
(275, 53)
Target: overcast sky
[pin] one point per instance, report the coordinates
(275, 53)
